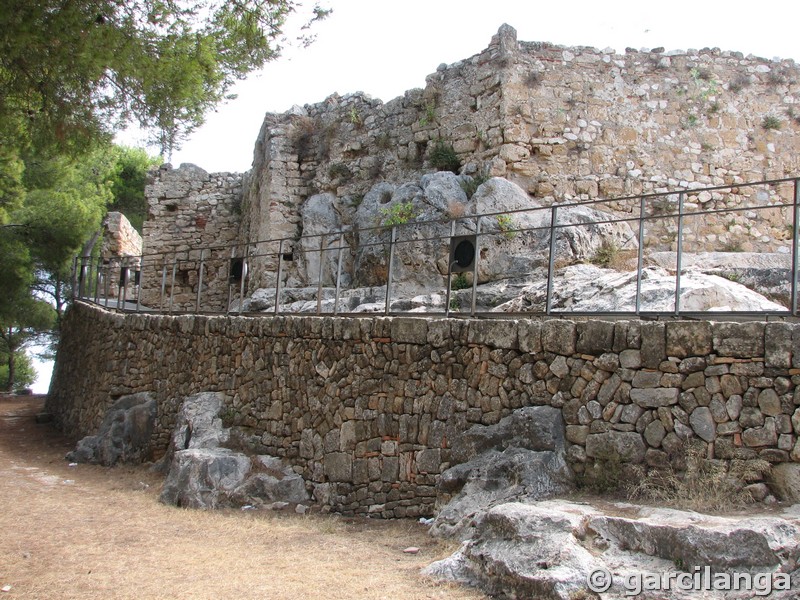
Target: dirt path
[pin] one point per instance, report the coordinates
(93, 532)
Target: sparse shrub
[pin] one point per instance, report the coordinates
(355, 117)
(340, 171)
(505, 223)
(455, 210)
(533, 79)
(704, 485)
(442, 157)
(455, 304)
(470, 186)
(605, 254)
(690, 121)
(459, 282)
(771, 122)
(398, 214)
(701, 74)
(302, 137)
(731, 246)
(383, 141)
(601, 477)
(739, 83)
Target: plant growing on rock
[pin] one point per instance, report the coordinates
(443, 157)
(471, 185)
(398, 214)
(771, 122)
(506, 225)
(459, 282)
(340, 171)
(704, 485)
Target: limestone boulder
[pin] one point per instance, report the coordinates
(548, 549)
(204, 477)
(537, 428)
(522, 456)
(203, 473)
(516, 243)
(586, 287)
(124, 435)
(319, 257)
(494, 478)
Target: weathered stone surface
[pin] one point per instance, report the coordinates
(688, 339)
(546, 550)
(655, 397)
(761, 436)
(204, 477)
(538, 428)
(784, 479)
(616, 446)
(738, 340)
(202, 474)
(494, 477)
(703, 424)
(654, 433)
(124, 436)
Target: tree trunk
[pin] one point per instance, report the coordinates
(12, 371)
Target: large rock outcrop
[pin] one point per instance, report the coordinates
(549, 550)
(124, 435)
(521, 457)
(204, 474)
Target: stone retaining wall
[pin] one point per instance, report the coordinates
(366, 409)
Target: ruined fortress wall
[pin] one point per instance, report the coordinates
(188, 209)
(565, 123)
(366, 410)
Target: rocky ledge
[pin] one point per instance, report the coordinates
(561, 550)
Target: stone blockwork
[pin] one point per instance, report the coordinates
(566, 124)
(367, 410)
(189, 209)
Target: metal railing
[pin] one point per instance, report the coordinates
(215, 279)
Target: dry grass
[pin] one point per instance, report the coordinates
(92, 532)
(705, 485)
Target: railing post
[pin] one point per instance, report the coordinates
(139, 284)
(98, 279)
(107, 282)
(319, 274)
(244, 278)
(475, 266)
(278, 280)
(640, 257)
(127, 273)
(392, 240)
(795, 245)
(200, 280)
(448, 292)
(172, 282)
(679, 257)
(74, 278)
(163, 285)
(552, 259)
(338, 275)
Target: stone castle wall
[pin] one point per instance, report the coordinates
(366, 410)
(566, 124)
(189, 209)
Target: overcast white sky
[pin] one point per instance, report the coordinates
(385, 48)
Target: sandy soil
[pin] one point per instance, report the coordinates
(93, 532)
